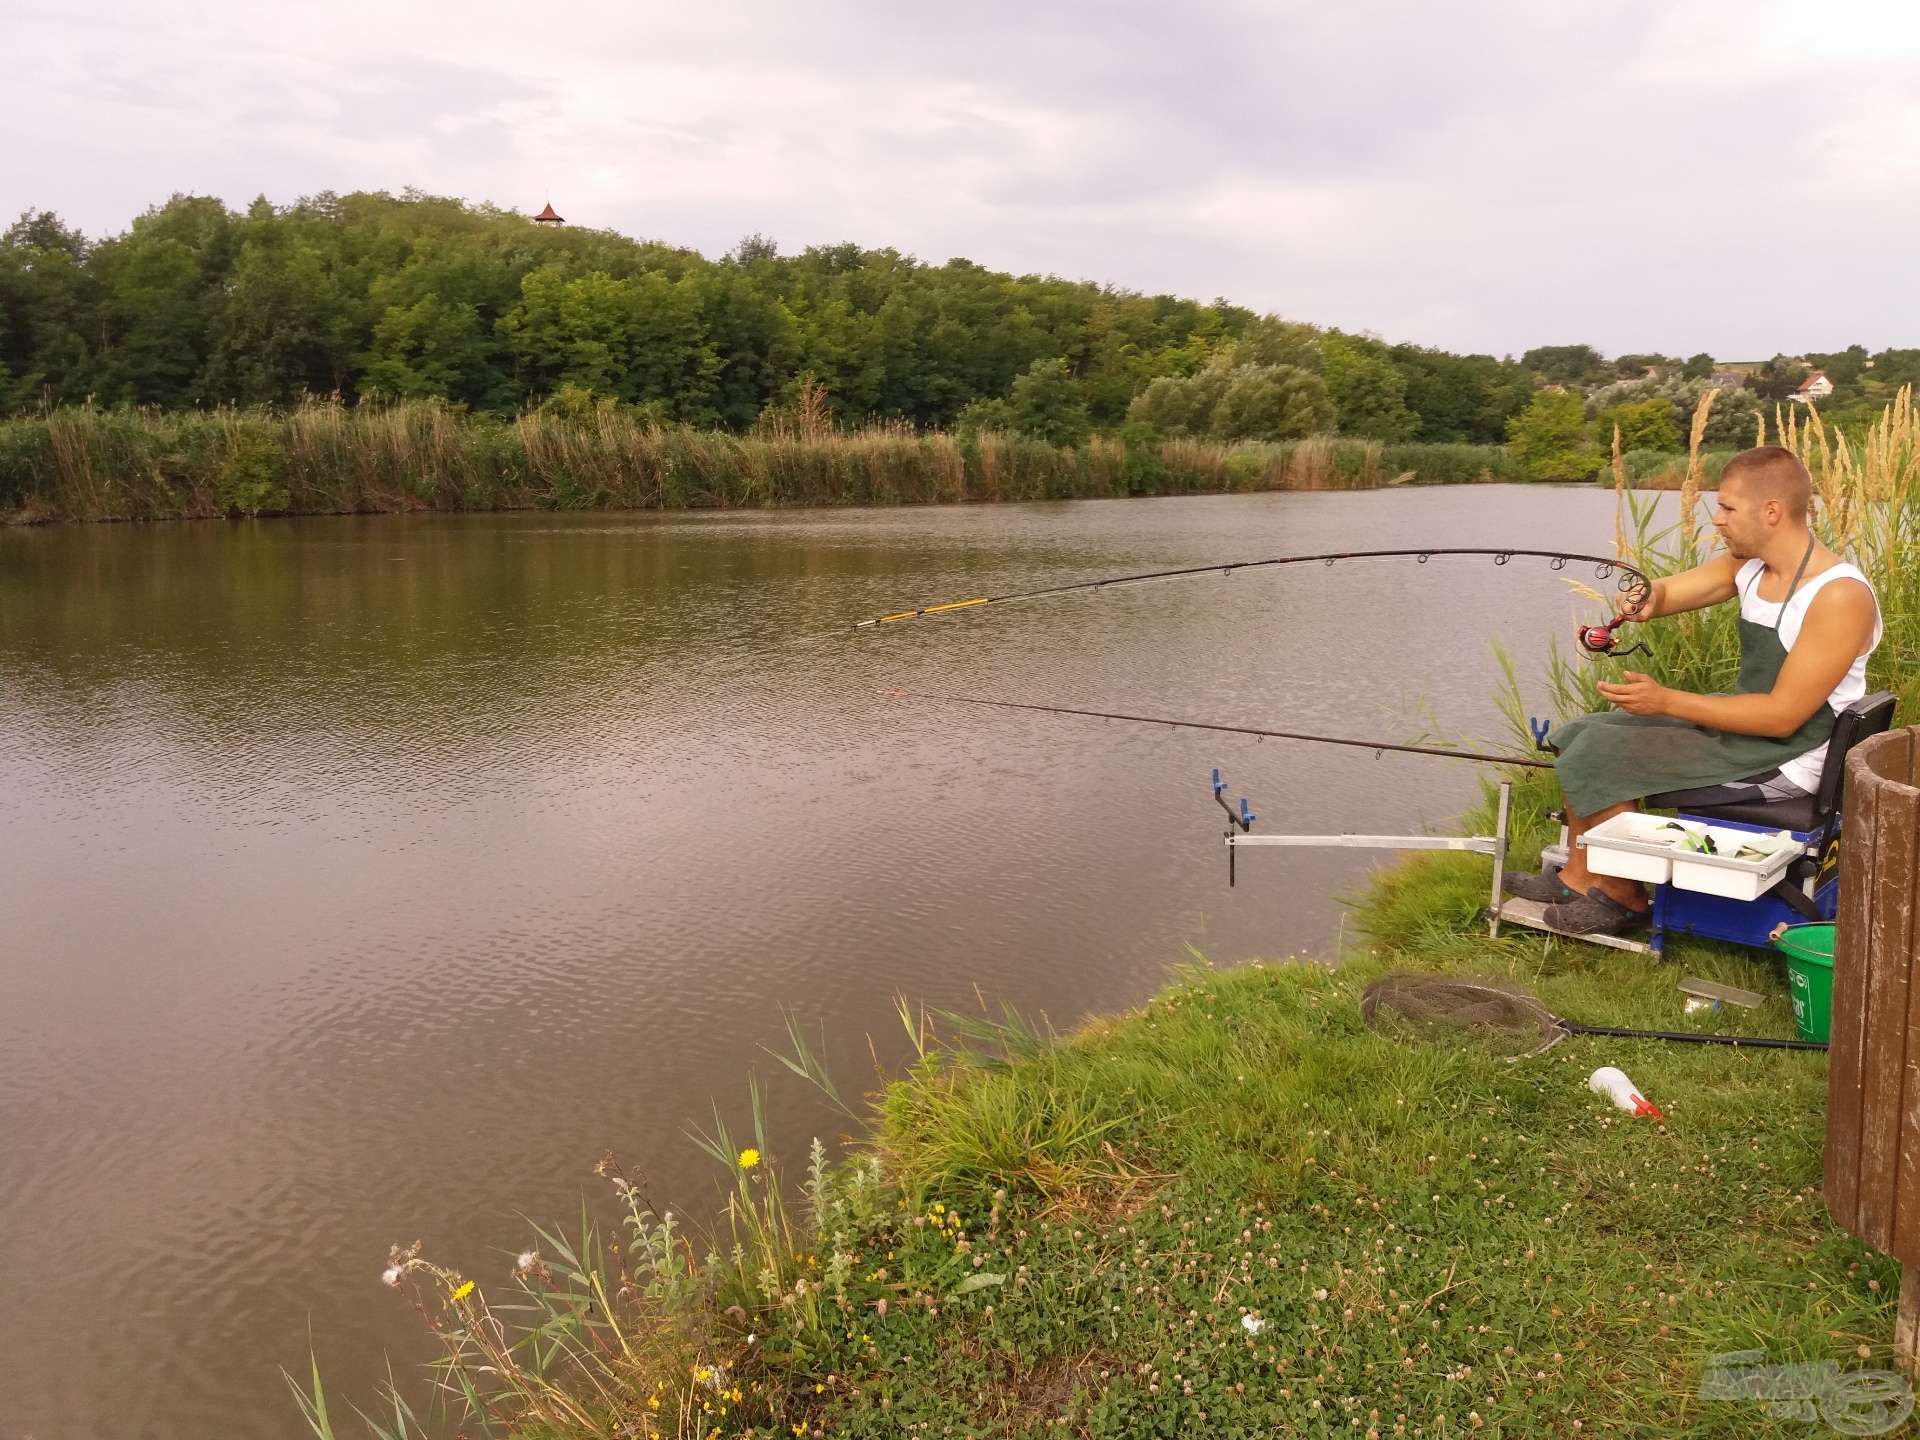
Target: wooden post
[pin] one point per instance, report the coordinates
(1872, 1160)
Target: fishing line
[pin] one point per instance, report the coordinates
(1374, 745)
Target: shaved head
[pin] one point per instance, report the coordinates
(1771, 472)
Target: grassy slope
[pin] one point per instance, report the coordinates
(1428, 1234)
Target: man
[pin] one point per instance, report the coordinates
(1808, 622)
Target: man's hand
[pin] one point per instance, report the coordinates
(1645, 610)
(1637, 694)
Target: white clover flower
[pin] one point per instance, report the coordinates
(1252, 1324)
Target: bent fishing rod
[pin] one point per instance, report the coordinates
(1594, 640)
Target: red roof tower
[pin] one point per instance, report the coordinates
(547, 217)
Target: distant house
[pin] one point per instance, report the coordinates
(1815, 387)
(1725, 378)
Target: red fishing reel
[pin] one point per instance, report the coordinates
(1600, 641)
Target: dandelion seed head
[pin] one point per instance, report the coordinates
(390, 1275)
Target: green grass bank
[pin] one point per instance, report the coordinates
(85, 463)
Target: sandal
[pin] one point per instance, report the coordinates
(1545, 887)
(1594, 913)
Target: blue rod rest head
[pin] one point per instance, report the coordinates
(1247, 817)
(1539, 729)
(1218, 783)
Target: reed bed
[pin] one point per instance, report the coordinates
(325, 457)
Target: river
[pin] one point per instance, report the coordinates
(363, 879)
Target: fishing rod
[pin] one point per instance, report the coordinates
(1374, 745)
(1594, 640)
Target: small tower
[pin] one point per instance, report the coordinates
(547, 217)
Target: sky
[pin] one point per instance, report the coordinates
(1480, 175)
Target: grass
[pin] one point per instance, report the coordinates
(1238, 1211)
(84, 463)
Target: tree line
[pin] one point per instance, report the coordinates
(410, 297)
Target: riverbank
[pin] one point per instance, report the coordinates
(83, 463)
(1239, 1208)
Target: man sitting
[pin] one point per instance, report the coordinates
(1808, 622)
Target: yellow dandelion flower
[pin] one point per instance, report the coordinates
(653, 1402)
(749, 1158)
(464, 1291)
(818, 1388)
(799, 1429)
(939, 1208)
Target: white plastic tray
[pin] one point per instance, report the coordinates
(1636, 846)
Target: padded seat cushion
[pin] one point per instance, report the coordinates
(1794, 814)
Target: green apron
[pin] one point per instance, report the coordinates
(1613, 757)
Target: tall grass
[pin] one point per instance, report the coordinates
(324, 457)
(1866, 508)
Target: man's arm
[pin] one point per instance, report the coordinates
(1837, 628)
(1693, 589)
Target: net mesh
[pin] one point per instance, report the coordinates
(1454, 1010)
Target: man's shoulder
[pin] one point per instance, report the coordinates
(1844, 599)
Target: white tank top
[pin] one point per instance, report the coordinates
(1804, 770)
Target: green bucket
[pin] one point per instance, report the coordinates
(1809, 952)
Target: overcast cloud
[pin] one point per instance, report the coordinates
(1737, 178)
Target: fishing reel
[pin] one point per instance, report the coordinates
(1601, 641)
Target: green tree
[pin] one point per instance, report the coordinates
(1047, 404)
(1730, 423)
(1634, 367)
(284, 325)
(1271, 402)
(49, 305)
(1643, 425)
(430, 348)
(160, 281)
(1369, 394)
(1549, 438)
(1778, 378)
(1697, 367)
(1843, 367)
(1273, 341)
(1566, 364)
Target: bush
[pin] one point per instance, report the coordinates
(1549, 438)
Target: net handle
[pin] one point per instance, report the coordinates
(1690, 1037)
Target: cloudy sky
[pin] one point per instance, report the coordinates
(1483, 175)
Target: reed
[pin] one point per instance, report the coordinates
(326, 457)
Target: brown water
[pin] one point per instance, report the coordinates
(364, 879)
